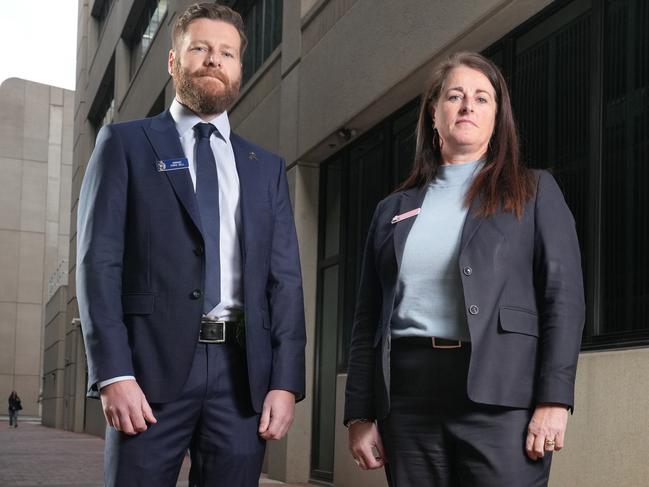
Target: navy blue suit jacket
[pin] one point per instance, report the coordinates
(140, 264)
(523, 290)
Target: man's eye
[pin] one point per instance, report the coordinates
(482, 100)
(228, 54)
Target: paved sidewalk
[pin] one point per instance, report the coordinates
(33, 455)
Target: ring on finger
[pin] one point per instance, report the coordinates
(550, 443)
(358, 462)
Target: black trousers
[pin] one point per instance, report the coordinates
(213, 415)
(435, 436)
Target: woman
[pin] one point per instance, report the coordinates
(470, 309)
(14, 407)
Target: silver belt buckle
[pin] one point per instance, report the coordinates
(211, 320)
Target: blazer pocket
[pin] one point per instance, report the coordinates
(519, 320)
(138, 303)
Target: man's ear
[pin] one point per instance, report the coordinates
(170, 62)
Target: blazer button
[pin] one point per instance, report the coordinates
(473, 309)
(196, 294)
(467, 271)
(199, 250)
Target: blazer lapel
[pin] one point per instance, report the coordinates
(411, 199)
(471, 223)
(241, 157)
(164, 138)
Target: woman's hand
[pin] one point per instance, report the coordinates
(546, 430)
(363, 439)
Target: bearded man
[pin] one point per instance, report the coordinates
(188, 277)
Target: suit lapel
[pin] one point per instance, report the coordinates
(164, 138)
(471, 223)
(241, 157)
(411, 199)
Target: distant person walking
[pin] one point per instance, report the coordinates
(14, 407)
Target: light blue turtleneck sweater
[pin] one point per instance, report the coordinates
(429, 299)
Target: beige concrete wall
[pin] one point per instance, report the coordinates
(54, 359)
(606, 441)
(35, 167)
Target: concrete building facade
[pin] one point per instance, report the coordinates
(35, 176)
(336, 96)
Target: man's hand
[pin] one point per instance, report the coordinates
(364, 437)
(546, 430)
(125, 407)
(277, 414)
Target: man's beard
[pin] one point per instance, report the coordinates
(200, 99)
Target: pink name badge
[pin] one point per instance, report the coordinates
(403, 216)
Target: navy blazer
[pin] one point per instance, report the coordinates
(141, 265)
(523, 291)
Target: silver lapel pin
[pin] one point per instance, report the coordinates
(252, 155)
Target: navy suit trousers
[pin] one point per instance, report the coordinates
(214, 415)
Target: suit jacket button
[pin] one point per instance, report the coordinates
(199, 250)
(473, 309)
(467, 271)
(196, 294)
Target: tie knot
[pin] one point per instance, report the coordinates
(204, 130)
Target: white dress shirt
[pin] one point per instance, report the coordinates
(231, 305)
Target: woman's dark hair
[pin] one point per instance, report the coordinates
(502, 181)
(212, 11)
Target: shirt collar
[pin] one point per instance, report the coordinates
(185, 120)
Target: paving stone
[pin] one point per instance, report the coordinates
(33, 455)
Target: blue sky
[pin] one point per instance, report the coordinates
(39, 41)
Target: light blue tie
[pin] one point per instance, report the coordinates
(207, 195)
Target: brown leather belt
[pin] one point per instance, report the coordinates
(214, 330)
(426, 342)
(446, 343)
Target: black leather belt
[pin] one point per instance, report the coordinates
(221, 331)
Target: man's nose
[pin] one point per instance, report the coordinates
(213, 60)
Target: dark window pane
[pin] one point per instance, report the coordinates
(369, 180)
(268, 28)
(403, 140)
(263, 26)
(552, 101)
(530, 100)
(257, 18)
(325, 406)
(148, 25)
(277, 23)
(571, 163)
(332, 210)
(249, 56)
(625, 141)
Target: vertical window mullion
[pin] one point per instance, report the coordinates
(629, 209)
(593, 240)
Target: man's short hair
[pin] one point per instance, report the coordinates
(212, 11)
